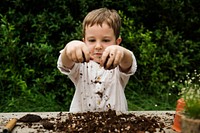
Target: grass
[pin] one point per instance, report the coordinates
(37, 102)
(141, 101)
(32, 103)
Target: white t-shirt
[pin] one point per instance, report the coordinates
(97, 89)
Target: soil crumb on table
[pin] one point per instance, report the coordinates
(47, 124)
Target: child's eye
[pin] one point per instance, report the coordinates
(91, 40)
(106, 40)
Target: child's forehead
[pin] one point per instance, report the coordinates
(99, 29)
(98, 26)
(101, 24)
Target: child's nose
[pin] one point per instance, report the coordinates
(98, 46)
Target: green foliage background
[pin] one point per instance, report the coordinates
(164, 36)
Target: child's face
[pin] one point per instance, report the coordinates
(98, 38)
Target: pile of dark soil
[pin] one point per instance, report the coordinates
(99, 122)
(102, 122)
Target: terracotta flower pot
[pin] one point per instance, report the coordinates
(177, 119)
(190, 125)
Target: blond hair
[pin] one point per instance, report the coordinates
(101, 15)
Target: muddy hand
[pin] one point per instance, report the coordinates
(108, 62)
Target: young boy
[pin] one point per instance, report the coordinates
(97, 65)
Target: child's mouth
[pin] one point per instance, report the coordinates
(98, 54)
(96, 57)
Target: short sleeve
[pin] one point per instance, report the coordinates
(133, 68)
(125, 76)
(72, 73)
(60, 66)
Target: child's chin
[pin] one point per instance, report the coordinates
(97, 60)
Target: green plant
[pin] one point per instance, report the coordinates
(190, 92)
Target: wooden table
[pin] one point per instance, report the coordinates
(166, 116)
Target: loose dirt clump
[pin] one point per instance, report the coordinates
(30, 118)
(47, 124)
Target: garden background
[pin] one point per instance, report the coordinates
(164, 35)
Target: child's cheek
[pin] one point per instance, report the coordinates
(91, 53)
(91, 50)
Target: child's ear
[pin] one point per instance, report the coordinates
(83, 39)
(119, 40)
